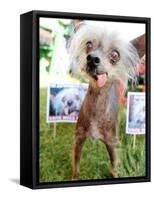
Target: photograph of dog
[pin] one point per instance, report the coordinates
(66, 102)
(108, 62)
(136, 113)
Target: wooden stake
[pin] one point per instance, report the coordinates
(134, 141)
(54, 129)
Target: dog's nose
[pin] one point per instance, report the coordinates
(93, 60)
(69, 102)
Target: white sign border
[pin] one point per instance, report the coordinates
(127, 112)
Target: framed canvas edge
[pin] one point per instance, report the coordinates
(35, 98)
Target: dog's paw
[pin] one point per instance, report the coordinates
(114, 174)
(75, 177)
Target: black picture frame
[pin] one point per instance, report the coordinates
(29, 98)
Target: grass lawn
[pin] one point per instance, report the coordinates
(55, 153)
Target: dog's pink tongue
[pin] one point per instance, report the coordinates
(101, 80)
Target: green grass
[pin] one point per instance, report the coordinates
(55, 153)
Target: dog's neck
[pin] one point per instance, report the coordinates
(96, 90)
(101, 100)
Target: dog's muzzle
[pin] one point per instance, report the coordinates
(93, 61)
(92, 64)
(92, 69)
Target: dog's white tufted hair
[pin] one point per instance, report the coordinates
(103, 41)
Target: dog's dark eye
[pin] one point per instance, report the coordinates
(89, 46)
(114, 56)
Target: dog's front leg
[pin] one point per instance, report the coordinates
(112, 149)
(79, 141)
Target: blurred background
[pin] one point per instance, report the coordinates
(54, 42)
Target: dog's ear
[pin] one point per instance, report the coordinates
(78, 25)
(64, 99)
(52, 96)
(139, 44)
(77, 97)
(130, 60)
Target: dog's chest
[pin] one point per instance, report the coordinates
(94, 131)
(103, 114)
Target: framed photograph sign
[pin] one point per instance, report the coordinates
(136, 113)
(64, 102)
(85, 99)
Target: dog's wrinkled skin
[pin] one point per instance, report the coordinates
(107, 62)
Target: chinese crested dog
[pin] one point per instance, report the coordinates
(67, 102)
(108, 62)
